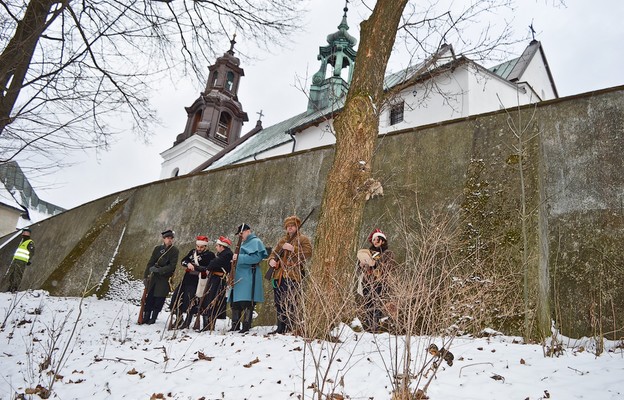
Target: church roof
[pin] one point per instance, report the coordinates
(278, 134)
(263, 140)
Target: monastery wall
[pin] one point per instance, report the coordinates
(571, 188)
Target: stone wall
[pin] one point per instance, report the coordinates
(558, 165)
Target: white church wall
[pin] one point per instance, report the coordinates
(536, 75)
(184, 157)
(316, 136)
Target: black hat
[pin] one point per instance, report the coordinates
(26, 230)
(241, 228)
(167, 233)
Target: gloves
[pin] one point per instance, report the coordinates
(153, 269)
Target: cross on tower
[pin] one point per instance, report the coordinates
(260, 115)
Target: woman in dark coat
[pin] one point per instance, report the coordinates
(213, 306)
(195, 264)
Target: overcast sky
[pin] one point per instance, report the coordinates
(582, 43)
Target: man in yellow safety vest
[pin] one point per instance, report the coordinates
(22, 257)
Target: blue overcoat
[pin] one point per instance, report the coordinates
(252, 251)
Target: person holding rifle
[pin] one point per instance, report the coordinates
(159, 269)
(213, 302)
(247, 284)
(194, 263)
(287, 260)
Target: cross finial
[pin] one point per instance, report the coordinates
(260, 115)
(532, 30)
(232, 43)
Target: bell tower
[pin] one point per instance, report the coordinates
(330, 84)
(214, 120)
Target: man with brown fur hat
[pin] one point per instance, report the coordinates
(288, 259)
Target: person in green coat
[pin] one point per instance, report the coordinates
(247, 289)
(159, 269)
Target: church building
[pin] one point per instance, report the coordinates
(443, 87)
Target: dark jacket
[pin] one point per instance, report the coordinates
(165, 260)
(222, 263)
(203, 259)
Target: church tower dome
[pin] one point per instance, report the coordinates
(329, 85)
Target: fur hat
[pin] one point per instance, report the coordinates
(223, 241)
(201, 241)
(293, 219)
(168, 233)
(376, 233)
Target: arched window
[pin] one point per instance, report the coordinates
(215, 77)
(175, 172)
(223, 130)
(229, 82)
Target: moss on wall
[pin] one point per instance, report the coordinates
(468, 169)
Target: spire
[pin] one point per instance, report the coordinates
(330, 85)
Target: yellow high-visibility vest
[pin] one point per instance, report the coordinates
(22, 252)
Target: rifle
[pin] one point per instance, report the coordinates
(269, 274)
(231, 275)
(143, 298)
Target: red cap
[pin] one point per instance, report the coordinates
(223, 241)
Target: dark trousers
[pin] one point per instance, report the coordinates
(14, 276)
(286, 296)
(153, 304)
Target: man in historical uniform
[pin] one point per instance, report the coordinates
(158, 270)
(288, 259)
(247, 283)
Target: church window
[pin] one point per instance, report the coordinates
(396, 113)
(223, 130)
(215, 77)
(229, 84)
(175, 172)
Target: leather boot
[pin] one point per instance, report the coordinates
(153, 317)
(247, 316)
(187, 321)
(236, 316)
(208, 324)
(281, 328)
(146, 316)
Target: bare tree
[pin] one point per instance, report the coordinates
(68, 68)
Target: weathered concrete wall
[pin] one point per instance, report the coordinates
(571, 188)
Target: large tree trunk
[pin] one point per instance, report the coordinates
(343, 202)
(15, 58)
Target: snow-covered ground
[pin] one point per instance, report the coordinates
(110, 357)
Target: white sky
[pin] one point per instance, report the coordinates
(110, 357)
(582, 43)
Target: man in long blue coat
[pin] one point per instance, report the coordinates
(247, 289)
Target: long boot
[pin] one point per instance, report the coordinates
(208, 323)
(187, 321)
(236, 316)
(281, 328)
(153, 317)
(146, 316)
(247, 316)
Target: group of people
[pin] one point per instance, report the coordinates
(211, 280)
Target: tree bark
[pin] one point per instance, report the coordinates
(356, 128)
(15, 58)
